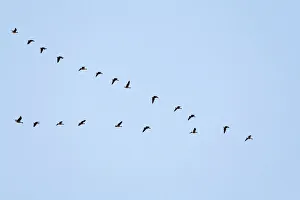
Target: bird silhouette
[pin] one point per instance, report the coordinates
(153, 98)
(119, 124)
(60, 123)
(59, 58)
(30, 41)
(145, 128)
(127, 85)
(114, 80)
(177, 108)
(19, 120)
(14, 31)
(42, 49)
(193, 131)
(35, 124)
(83, 68)
(249, 138)
(225, 128)
(191, 116)
(81, 123)
(98, 73)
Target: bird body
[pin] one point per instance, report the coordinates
(191, 116)
(14, 31)
(19, 120)
(98, 73)
(127, 85)
(83, 68)
(81, 123)
(153, 98)
(249, 138)
(225, 128)
(60, 123)
(35, 124)
(119, 124)
(177, 108)
(42, 49)
(145, 128)
(30, 41)
(58, 58)
(194, 131)
(114, 80)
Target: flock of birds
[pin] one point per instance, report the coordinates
(119, 125)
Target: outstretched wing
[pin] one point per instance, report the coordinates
(20, 118)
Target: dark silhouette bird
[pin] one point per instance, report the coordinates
(225, 128)
(42, 49)
(119, 124)
(193, 131)
(177, 108)
(153, 98)
(82, 68)
(30, 41)
(249, 138)
(82, 122)
(60, 123)
(114, 80)
(59, 58)
(191, 116)
(127, 85)
(19, 120)
(35, 124)
(14, 31)
(145, 128)
(98, 73)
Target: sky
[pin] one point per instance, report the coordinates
(230, 63)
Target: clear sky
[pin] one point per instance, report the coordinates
(230, 63)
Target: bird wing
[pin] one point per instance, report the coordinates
(127, 85)
(20, 118)
(119, 124)
(194, 130)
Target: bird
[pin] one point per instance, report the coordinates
(127, 85)
(145, 128)
(119, 124)
(191, 116)
(59, 58)
(225, 128)
(35, 124)
(193, 131)
(249, 138)
(60, 123)
(42, 49)
(177, 108)
(82, 68)
(14, 31)
(19, 120)
(30, 41)
(98, 73)
(82, 122)
(153, 98)
(114, 80)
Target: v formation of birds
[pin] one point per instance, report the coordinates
(114, 80)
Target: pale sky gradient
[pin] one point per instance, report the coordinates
(230, 63)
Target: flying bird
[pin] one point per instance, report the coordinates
(19, 120)
(193, 131)
(249, 138)
(225, 128)
(177, 108)
(30, 41)
(191, 116)
(14, 31)
(119, 124)
(59, 58)
(127, 85)
(114, 80)
(82, 122)
(145, 128)
(153, 98)
(82, 68)
(35, 124)
(98, 73)
(42, 49)
(60, 123)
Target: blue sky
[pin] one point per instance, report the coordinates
(228, 62)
